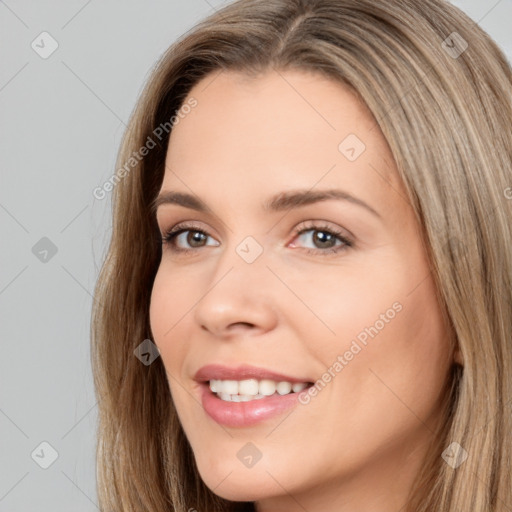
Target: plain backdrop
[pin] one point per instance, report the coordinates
(61, 121)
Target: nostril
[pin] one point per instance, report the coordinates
(243, 324)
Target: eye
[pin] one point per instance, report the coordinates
(324, 239)
(184, 238)
(185, 234)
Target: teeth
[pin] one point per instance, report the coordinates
(248, 387)
(215, 385)
(283, 388)
(267, 387)
(298, 386)
(252, 389)
(230, 387)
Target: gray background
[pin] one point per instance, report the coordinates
(62, 119)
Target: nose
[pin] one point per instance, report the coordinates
(240, 298)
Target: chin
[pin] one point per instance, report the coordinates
(239, 483)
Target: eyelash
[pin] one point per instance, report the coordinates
(169, 237)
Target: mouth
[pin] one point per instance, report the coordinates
(253, 389)
(245, 396)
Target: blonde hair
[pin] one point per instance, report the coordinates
(446, 113)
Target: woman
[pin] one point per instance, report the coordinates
(311, 260)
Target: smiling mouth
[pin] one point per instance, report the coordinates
(253, 389)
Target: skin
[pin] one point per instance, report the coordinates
(358, 444)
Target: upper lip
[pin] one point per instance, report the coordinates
(242, 372)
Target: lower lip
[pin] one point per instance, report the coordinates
(245, 414)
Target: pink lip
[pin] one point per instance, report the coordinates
(220, 372)
(244, 414)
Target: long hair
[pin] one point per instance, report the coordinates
(440, 91)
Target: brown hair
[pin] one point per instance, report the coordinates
(446, 113)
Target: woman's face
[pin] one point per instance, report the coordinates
(277, 284)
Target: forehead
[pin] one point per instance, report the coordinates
(277, 106)
(283, 129)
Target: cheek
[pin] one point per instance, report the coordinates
(171, 301)
(167, 313)
(387, 351)
(387, 388)
(399, 372)
(344, 307)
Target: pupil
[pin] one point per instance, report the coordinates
(195, 237)
(323, 238)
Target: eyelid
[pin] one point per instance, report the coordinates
(320, 224)
(185, 225)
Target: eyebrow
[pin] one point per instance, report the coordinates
(279, 202)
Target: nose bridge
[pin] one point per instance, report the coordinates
(244, 258)
(239, 291)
